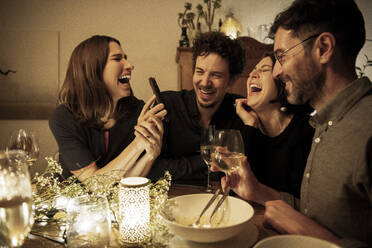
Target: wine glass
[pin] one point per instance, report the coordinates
(229, 150)
(16, 211)
(206, 149)
(27, 142)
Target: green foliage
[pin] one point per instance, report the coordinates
(186, 19)
(361, 70)
(188, 6)
(208, 13)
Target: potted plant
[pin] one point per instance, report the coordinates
(186, 22)
(208, 14)
(186, 18)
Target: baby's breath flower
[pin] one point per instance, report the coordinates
(47, 188)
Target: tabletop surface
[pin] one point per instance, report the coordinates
(34, 240)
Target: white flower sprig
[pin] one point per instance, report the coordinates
(49, 189)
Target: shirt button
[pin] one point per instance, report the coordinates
(307, 175)
(317, 140)
(330, 123)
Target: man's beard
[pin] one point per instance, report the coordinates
(307, 88)
(209, 105)
(200, 101)
(309, 91)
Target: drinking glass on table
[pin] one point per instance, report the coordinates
(229, 150)
(16, 211)
(25, 141)
(89, 223)
(206, 149)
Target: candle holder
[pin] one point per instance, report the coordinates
(89, 223)
(134, 209)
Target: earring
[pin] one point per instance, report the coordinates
(283, 109)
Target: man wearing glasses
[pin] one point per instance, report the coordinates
(316, 45)
(316, 51)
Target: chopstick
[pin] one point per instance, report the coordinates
(206, 207)
(225, 194)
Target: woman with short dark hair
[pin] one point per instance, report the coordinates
(277, 134)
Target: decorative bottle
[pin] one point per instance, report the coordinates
(184, 40)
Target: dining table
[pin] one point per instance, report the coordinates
(48, 237)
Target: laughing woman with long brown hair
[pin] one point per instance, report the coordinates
(100, 126)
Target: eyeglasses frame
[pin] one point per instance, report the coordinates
(279, 57)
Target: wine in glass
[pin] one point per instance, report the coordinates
(229, 150)
(16, 211)
(206, 149)
(27, 142)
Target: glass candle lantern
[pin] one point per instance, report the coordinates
(89, 222)
(134, 209)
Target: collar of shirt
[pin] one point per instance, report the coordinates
(337, 107)
(224, 112)
(192, 105)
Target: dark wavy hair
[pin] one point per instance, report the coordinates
(84, 92)
(219, 43)
(342, 18)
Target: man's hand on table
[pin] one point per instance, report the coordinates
(285, 219)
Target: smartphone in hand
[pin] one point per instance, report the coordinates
(156, 91)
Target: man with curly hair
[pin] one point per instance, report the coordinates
(217, 61)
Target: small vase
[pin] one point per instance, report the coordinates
(192, 35)
(184, 40)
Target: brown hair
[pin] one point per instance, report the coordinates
(341, 18)
(83, 91)
(224, 46)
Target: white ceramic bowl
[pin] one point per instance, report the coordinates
(233, 216)
(294, 241)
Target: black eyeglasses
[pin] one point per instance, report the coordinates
(280, 54)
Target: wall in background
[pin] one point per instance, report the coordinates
(147, 29)
(36, 71)
(366, 7)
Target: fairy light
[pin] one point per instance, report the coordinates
(89, 224)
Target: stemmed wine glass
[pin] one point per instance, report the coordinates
(206, 149)
(16, 211)
(229, 150)
(25, 141)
